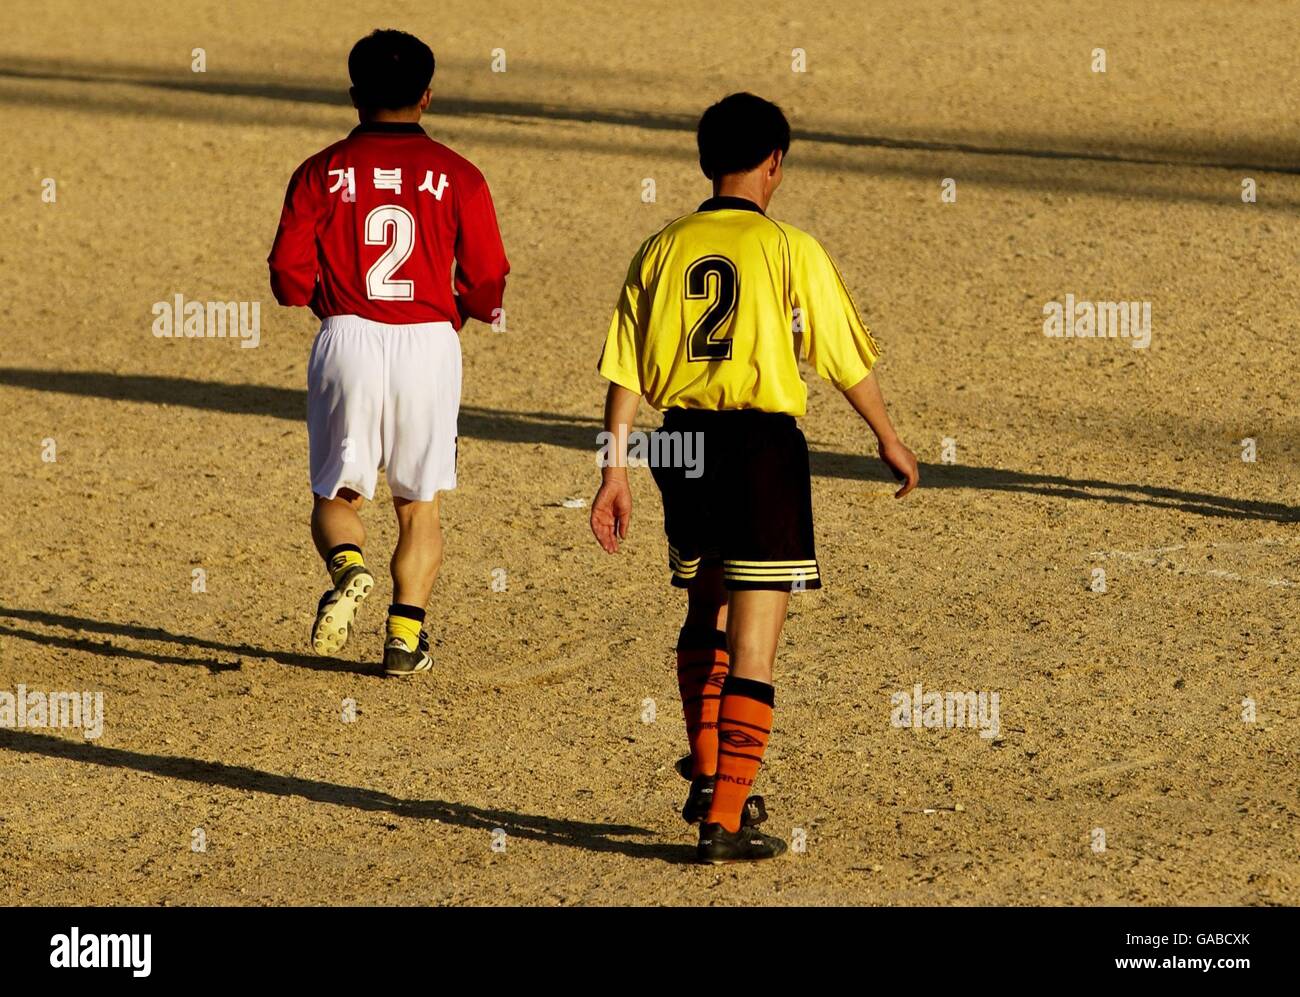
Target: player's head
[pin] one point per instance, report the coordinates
(741, 134)
(391, 71)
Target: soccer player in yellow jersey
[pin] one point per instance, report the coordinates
(716, 312)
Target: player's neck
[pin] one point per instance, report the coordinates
(405, 115)
(749, 186)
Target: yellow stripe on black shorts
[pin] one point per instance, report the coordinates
(683, 567)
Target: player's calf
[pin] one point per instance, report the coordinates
(729, 833)
(336, 521)
(338, 534)
(415, 564)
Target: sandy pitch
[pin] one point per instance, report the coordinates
(1120, 713)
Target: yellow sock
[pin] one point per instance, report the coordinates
(341, 558)
(404, 625)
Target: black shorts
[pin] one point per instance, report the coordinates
(750, 507)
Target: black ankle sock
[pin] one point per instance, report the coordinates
(406, 612)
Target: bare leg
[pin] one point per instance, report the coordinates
(418, 554)
(337, 521)
(333, 522)
(701, 671)
(706, 600)
(753, 632)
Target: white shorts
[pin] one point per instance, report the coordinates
(383, 395)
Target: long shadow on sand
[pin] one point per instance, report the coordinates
(579, 434)
(590, 836)
(1213, 156)
(137, 632)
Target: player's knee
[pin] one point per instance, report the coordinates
(755, 645)
(412, 514)
(345, 495)
(706, 588)
(354, 499)
(706, 608)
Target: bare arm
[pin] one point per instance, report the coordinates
(611, 509)
(868, 402)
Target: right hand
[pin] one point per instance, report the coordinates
(611, 511)
(901, 463)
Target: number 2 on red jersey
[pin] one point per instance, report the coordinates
(393, 226)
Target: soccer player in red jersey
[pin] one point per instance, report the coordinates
(368, 237)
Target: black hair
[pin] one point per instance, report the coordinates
(390, 69)
(739, 132)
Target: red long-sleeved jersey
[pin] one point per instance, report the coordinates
(372, 224)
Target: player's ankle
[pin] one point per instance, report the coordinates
(404, 624)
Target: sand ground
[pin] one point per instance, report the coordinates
(1120, 711)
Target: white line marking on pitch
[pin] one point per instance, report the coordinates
(1155, 558)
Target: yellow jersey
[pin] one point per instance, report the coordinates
(719, 306)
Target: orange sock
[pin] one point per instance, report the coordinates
(744, 723)
(702, 666)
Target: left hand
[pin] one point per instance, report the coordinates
(902, 464)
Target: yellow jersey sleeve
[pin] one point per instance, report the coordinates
(620, 360)
(830, 333)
